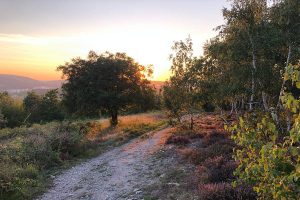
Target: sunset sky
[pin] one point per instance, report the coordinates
(38, 35)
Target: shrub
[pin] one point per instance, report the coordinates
(179, 140)
(36, 149)
(244, 192)
(12, 113)
(8, 172)
(225, 191)
(223, 148)
(218, 168)
(269, 158)
(216, 191)
(203, 174)
(197, 156)
(213, 137)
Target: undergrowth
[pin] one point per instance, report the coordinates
(210, 149)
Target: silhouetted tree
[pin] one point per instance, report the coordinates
(103, 82)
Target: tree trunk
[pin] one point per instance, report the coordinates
(114, 117)
(232, 108)
(252, 90)
(235, 107)
(264, 99)
(243, 105)
(288, 121)
(283, 82)
(253, 72)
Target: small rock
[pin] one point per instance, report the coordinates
(163, 175)
(175, 184)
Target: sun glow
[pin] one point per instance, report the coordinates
(38, 57)
(38, 36)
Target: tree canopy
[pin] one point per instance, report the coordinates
(104, 81)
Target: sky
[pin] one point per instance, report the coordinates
(36, 36)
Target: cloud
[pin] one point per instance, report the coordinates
(22, 39)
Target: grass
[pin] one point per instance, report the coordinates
(29, 156)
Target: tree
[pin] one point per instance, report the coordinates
(285, 15)
(2, 120)
(32, 104)
(174, 98)
(182, 58)
(12, 110)
(50, 107)
(269, 159)
(148, 99)
(103, 82)
(180, 94)
(248, 17)
(43, 108)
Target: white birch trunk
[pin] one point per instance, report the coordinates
(253, 71)
(283, 82)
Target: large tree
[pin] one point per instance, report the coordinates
(105, 81)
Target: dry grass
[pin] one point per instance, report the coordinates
(102, 129)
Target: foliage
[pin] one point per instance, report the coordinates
(242, 66)
(44, 108)
(50, 107)
(11, 110)
(180, 93)
(31, 105)
(106, 81)
(268, 160)
(174, 98)
(3, 121)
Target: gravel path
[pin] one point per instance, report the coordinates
(118, 174)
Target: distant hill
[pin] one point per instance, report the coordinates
(20, 84)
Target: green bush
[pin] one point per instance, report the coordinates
(27, 152)
(268, 160)
(11, 111)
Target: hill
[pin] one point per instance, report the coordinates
(10, 82)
